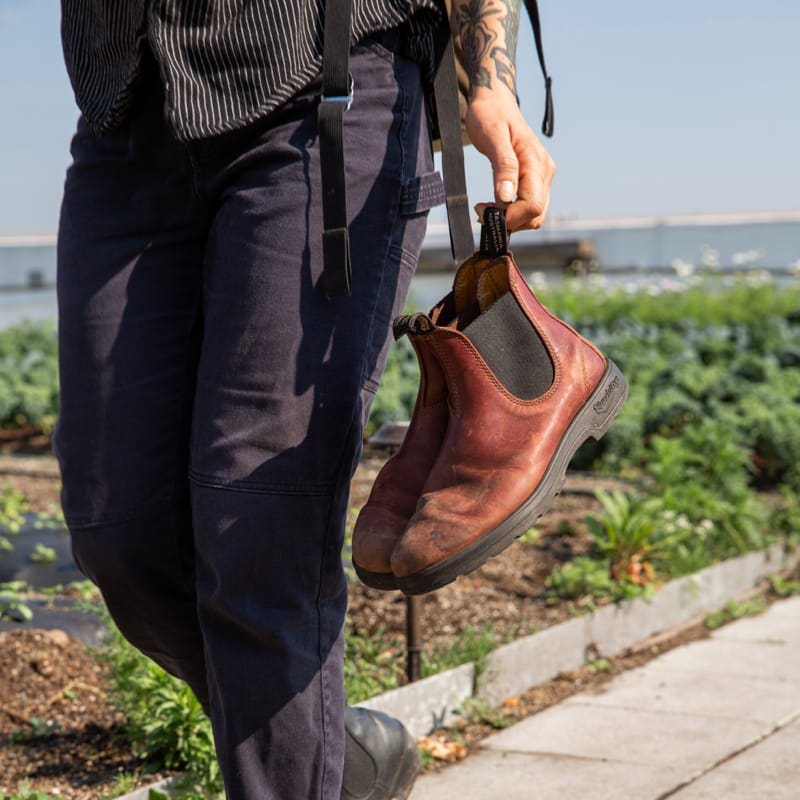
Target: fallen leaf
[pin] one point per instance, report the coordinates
(442, 749)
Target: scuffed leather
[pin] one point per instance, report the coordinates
(398, 485)
(497, 446)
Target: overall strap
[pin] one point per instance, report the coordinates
(448, 115)
(533, 13)
(337, 95)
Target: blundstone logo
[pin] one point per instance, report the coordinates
(601, 405)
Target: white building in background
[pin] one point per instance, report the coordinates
(769, 240)
(27, 262)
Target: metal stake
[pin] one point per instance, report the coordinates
(413, 639)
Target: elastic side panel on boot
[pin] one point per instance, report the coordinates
(361, 773)
(512, 349)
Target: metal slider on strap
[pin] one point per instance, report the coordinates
(347, 99)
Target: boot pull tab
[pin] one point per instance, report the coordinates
(494, 234)
(412, 323)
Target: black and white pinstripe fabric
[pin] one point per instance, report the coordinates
(224, 63)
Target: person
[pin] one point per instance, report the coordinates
(212, 396)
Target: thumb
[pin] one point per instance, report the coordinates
(505, 167)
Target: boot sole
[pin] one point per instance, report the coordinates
(408, 771)
(591, 422)
(385, 581)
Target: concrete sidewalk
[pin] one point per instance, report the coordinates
(717, 719)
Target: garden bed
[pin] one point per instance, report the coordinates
(56, 726)
(700, 469)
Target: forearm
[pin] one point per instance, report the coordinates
(487, 33)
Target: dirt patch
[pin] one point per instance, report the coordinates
(56, 728)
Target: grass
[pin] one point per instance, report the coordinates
(471, 645)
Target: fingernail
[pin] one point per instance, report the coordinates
(506, 192)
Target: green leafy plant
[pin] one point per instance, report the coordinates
(40, 728)
(471, 645)
(784, 587)
(165, 722)
(124, 783)
(13, 602)
(588, 579)
(43, 555)
(29, 376)
(13, 507)
(372, 664)
(600, 665)
(477, 710)
(735, 610)
(630, 532)
(24, 792)
(398, 389)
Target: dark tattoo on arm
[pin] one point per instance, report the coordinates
(504, 57)
(477, 38)
(480, 23)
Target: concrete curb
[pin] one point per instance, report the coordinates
(511, 669)
(143, 793)
(534, 659)
(430, 703)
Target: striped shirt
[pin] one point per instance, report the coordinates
(223, 63)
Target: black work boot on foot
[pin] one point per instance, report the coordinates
(381, 759)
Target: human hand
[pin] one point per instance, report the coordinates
(523, 170)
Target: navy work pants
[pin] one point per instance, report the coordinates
(213, 399)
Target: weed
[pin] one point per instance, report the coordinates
(426, 758)
(24, 792)
(40, 728)
(735, 610)
(165, 723)
(583, 576)
(783, 587)
(600, 665)
(588, 580)
(477, 710)
(372, 664)
(471, 645)
(124, 783)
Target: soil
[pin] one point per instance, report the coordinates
(58, 730)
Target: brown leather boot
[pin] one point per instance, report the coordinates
(524, 391)
(398, 485)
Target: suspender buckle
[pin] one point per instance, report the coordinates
(347, 99)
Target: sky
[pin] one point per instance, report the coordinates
(661, 108)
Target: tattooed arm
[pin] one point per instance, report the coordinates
(523, 170)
